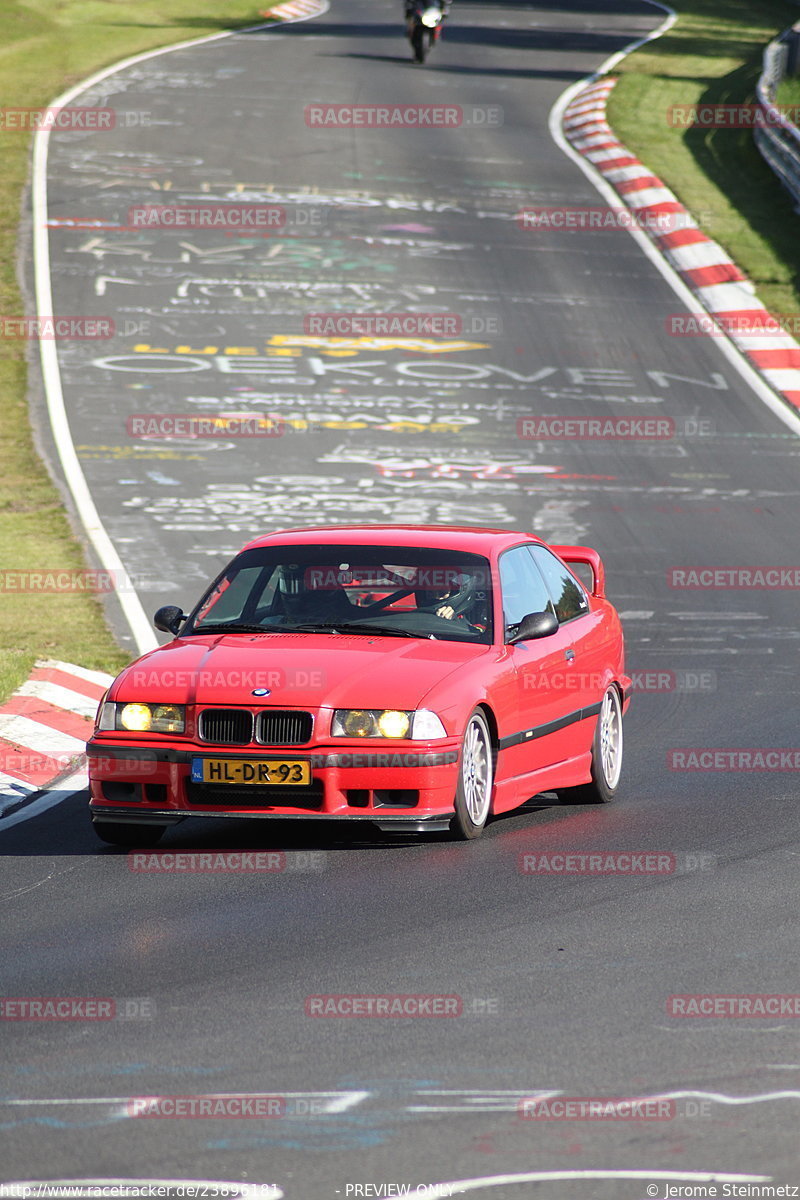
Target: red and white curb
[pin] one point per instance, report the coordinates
(714, 278)
(44, 727)
(294, 10)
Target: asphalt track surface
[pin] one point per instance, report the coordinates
(564, 979)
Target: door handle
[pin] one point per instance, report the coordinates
(569, 655)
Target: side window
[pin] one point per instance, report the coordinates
(569, 597)
(233, 595)
(523, 588)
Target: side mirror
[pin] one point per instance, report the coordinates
(534, 625)
(169, 618)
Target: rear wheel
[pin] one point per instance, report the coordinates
(118, 833)
(606, 757)
(475, 777)
(418, 43)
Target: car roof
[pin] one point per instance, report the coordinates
(472, 539)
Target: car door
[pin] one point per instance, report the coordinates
(590, 652)
(543, 672)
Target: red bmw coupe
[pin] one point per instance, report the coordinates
(292, 689)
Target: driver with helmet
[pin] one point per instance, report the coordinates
(458, 601)
(427, 600)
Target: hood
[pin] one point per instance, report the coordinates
(299, 669)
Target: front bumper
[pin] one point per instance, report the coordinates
(404, 787)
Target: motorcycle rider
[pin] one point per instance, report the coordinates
(444, 5)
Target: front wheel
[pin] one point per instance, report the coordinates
(418, 43)
(606, 757)
(120, 833)
(475, 777)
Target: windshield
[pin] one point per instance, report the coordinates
(410, 591)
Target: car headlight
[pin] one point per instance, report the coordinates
(138, 717)
(386, 723)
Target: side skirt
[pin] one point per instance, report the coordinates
(510, 793)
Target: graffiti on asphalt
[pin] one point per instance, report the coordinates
(274, 500)
(392, 464)
(307, 369)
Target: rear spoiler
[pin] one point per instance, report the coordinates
(590, 558)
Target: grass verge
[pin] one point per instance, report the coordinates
(46, 47)
(712, 55)
(789, 95)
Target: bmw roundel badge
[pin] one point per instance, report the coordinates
(260, 692)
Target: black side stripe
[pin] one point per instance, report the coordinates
(539, 731)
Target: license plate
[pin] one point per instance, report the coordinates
(259, 772)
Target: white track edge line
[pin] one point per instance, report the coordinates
(748, 373)
(89, 517)
(61, 698)
(71, 786)
(100, 678)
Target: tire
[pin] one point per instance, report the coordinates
(475, 777)
(418, 43)
(606, 756)
(117, 833)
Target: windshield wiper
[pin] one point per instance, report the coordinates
(235, 627)
(355, 627)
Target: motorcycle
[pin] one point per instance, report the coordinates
(424, 27)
